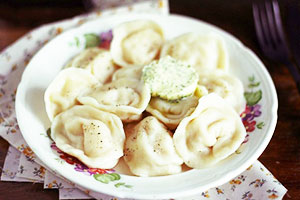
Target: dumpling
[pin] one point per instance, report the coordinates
(128, 72)
(136, 43)
(202, 51)
(97, 61)
(226, 85)
(149, 149)
(211, 133)
(127, 98)
(94, 137)
(171, 113)
(62, 92)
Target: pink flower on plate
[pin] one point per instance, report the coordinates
(98, 171)
(246, 139)
(69, 159)
(249, 126)
(251, 112)
(54, 147)
(105, 39)
(80, 167)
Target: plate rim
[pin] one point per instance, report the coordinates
(182, 193)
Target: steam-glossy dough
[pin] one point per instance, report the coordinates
(127, 98)
(149, 149)
(153, 87)
(226, 85)
(136, 43)
(97, 61)
(62, 92)
(128, 72)
(202, 51)
(211, 133)
(171, 113)
(94, 137)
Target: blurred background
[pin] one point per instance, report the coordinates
(234, 16)
(22, 15)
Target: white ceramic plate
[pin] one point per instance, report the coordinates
(260, 119)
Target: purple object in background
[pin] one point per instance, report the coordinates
(293, 29)
(271, 35)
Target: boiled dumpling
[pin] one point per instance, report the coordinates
(211, 133)
(62, 92)
(226, 85)
(149, 149)
(127, 98)
(97, 61)
(128, 72)
(136, 43)
(94, 137)
(202, 51)
(171, 113)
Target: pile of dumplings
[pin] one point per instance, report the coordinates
(101, 111)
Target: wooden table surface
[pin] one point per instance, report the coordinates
(281, 157)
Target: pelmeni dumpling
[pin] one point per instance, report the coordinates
(94, 137)
(128, 72)
(127, 98)
(171, 113)
(210, 134)
(136, 43)
(226, 85)
(202, 51)
(149, 149)
(62, 92)
(97, 61)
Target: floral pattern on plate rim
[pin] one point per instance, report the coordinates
(101, 40)
(253, 108)
(103, 175)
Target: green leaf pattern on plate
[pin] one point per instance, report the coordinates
(91, 40)
(109, 177)
(122, 184)
(260, 125)
(106, 178)
(253, 98)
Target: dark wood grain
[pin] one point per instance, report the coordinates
(281, 157)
